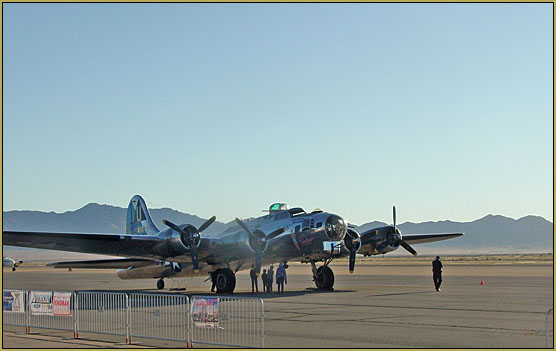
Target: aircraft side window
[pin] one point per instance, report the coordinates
(297, 228)
(319, 224)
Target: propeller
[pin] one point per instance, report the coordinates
(260, 238)
(191, 235)
(353, 245)
(404, 244)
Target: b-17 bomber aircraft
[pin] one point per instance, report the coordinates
(284, 234)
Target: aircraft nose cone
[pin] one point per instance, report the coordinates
(336, 227)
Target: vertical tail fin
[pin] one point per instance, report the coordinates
(138, 220)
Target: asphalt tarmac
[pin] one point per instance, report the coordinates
(377, 307)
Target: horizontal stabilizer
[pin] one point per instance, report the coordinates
(428, 238)
(122, 263)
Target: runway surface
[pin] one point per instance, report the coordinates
(377, 307)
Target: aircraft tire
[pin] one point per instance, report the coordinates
(225, 280)
(325, 278)
(160, 284)
(13, 269)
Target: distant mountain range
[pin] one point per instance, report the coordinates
(490, 234)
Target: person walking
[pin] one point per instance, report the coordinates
(254, 284)
(281, 277)
(264, 277)
(270, 278)
(213, 281)
(437, 273)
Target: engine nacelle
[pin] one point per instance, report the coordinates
(172, 245)
(380, 240)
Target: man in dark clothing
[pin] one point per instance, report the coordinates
(213, 280)
(437, 273)
(270, 279)
(265, 280)
(254, 278)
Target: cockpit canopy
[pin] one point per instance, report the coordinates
(278, 206)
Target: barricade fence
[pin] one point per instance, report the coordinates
(227, 321)
(212, 320)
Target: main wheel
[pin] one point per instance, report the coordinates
(325, 278)
(13, 269)
(160, 284)
(225, 280)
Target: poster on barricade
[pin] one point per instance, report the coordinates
(41, 302)
(204, 312)
(13, 301)
(61, 303)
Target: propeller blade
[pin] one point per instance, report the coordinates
(194, 259)
(206, 224)
(259, 234)
(352, 260)
(394, 216)
(172, 225)
(408, 248)
(258, 262)
(275, 233)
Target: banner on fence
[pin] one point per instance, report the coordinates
(13, 301)
(204, 311)
(41, 302)
(61, 303)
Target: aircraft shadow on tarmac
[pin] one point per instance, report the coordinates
(402, 293)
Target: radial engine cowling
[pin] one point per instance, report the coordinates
(380, 240)
(174, 244)
(352, 240)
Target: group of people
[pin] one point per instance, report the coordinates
(282, 278)
(268, 278)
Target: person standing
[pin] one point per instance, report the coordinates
(264, 276)
(270, 278)
(281, 277)
(253, 274)
(437, 273)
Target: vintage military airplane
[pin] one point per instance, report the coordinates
(8, 262)
(284, 234)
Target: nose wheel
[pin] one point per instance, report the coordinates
(160, 284)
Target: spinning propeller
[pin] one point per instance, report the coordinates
(191, 235)
(400, 241)
(260, 239)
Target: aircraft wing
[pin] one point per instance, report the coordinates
(138, 246)
(428, 238)
(122, 263)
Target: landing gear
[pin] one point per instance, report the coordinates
(323, 277)
(13, 269)
(160, 284)
(225, 280)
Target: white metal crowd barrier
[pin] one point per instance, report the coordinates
(102, 313)
(227, 321)
(213, 320)
(51, 310)
(14, 311)
(159, 316)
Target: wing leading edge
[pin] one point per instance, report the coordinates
(428, 238)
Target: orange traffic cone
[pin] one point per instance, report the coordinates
(482, 283)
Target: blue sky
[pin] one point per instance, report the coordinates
(445, 110)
